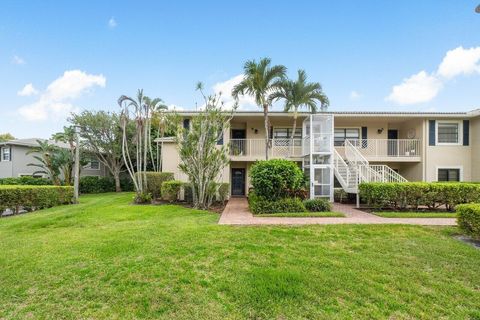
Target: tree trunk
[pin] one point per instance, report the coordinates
(292, 143)
(267, 131)
(116, 176)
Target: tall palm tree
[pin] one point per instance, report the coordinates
(300, 93)
(260, 81)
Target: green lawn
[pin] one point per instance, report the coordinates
(414, 214)
(107, 259)
(302, 214)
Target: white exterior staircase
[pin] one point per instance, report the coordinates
(356, 169)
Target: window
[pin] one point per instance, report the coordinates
(283, 135)
(448, 175)
(6, 154)
(448, 132)
(342, 134)
(93, 165)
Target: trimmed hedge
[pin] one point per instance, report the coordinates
(317, 205)
(277, 178)
(26, 180)
(259, 204)
(33, 197)
(155, 181)
(171, 189)
(468, 218)
(95, 184)
(411, 195)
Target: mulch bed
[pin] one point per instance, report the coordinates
(470, 241)
(216, 207)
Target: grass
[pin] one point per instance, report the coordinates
(107, 259)
(415, 214)
(302, 214)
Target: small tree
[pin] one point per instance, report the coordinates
(202, 158)
(101, 133)
(139, 111)
(6, 137)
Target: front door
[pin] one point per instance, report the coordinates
(392, 142)
(238, 181)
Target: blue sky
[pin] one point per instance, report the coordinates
(58, 56)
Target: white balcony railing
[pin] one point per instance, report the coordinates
(382, 148)
(279, 148)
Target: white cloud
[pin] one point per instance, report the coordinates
(18, 60)
(354, 95)
(420, 87)
(245, 102)
(28, 90)
(112, 23)
(460, 61)
(55, 101)
(423, 87)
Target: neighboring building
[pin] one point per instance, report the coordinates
(352, 147)
(14, 160)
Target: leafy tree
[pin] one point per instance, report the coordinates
(139, 111)
(157, 106)
(6, 137)
(101, 134)
(260, 81)
(300, 93)
(201, 158)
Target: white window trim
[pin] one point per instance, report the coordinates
(460, 134)
(3, 149)
(449, 167)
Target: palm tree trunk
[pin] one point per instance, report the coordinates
(267, 138)
(292, 144)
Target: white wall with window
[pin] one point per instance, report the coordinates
(283, 135)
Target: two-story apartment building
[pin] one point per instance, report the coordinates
(15, 157)
(349, 147)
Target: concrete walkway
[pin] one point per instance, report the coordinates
(236, 213)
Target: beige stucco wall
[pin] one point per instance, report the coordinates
(475, 143)
(446, 156)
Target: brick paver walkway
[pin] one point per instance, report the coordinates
(236, 213)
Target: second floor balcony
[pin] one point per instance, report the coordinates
(380, 150)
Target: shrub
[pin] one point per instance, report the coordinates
(411, 195)
(468, 218)
(170, 190)
(277, 178)
(318, 205)
(187, 192)
(142, 198)
(223, 192)
(155, 181)
(26, 180)
(259, 205)
(94, 184)
(33, 197)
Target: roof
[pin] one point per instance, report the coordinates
(32, 142)
(468, 114)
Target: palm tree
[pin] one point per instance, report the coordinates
(48, 161)
(260, 81)
(300, 93)
(156, 106)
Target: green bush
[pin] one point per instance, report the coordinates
(259, 205)
(277, 178)
(170, 190)
(317, 205)
(223, 192)
(468, 218)
(16, 197)
(95, 184)
(26, 180)
(155, 181)
(411, 195)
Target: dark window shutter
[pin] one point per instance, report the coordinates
(186, 124)
(270, 135)
(11, 154)
(364, 137)
(431, 132)
(466, 132)
(1, 155)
